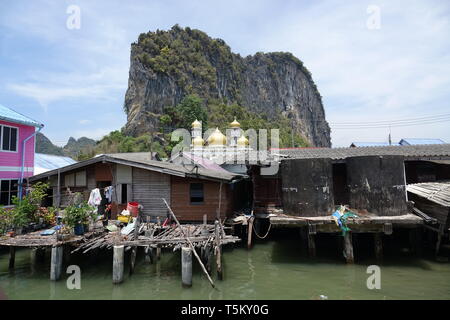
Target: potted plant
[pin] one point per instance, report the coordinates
(76, 216)
(20, 214)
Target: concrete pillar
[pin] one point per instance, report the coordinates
(186, 266)
(118, 264)
(56, 263)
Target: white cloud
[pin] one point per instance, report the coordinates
(399, 71)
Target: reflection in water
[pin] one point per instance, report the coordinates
(271, 270)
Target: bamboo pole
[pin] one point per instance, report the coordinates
(190, 244)
(218, 252)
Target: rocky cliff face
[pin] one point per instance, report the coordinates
(167, 65)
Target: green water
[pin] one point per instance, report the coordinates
(271, 270)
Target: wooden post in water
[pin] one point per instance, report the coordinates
(133, 259)
(186, 266)
(56, 263)
(348, 248)
(158, 253)
(378, 240)
(118, 264)
(12, 257)
(311, 240)
(218, 251)
(149, 250)
(250, 232)
(419, 242)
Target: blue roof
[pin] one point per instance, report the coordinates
(47, 162)
(10, 115)
(415, 141)
(369, 144)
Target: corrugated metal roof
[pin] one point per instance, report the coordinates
(419, 141)
(8, 114)
(142, 160)
(437, 192)
(369, 144)
(47, 162)
(418, 152)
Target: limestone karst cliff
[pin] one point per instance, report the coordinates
(168, 65)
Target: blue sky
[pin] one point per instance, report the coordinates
(74, 81)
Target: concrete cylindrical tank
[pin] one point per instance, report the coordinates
(307, 187)
(377, 184)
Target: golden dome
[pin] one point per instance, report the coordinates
(197, 142)
(235, 124)
(217, 138)
(242, 141)
(196, 124)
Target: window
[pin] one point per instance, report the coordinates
(8, 189)
(8, 138)
(75, 179)
(196, 193)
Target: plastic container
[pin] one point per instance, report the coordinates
(133, 207)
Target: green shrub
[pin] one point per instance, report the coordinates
(79, 214)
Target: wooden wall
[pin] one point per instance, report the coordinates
(149, 188)
(266, 189)
(185, 211)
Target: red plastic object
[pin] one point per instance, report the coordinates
(133, 208)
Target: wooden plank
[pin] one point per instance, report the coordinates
(149, 188)
(186, 211)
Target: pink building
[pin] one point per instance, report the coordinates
(17, 147)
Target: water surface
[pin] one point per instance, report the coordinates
(271, 270)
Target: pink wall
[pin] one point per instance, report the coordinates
(14, 159)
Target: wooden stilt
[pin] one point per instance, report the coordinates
(158, 253)
(304, 239)
(12, 257)
(312, 240)
(348, 248)
(218, 252)
(250, 232)
(311, 245)
(439, 238)
(118, 264)
(133, 259)
(186, 266)
(149, 255)
(56, 263)
(378, 237)
(419, 242)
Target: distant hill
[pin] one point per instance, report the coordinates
(72, 149)
(44, 145)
